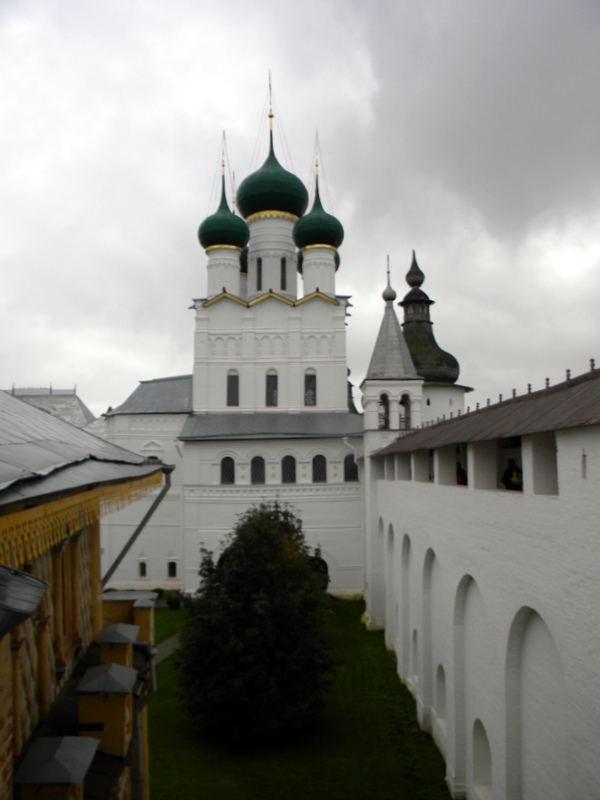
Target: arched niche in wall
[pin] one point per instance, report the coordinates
(536, 710)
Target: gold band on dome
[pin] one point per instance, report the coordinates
(314, 246)
(224, 247)
(271, 215)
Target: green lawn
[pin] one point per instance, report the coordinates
(368, 747)
(167, 622)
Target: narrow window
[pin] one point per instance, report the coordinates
(319, 469)
(288, 469)
(384, 412)
(271, 393)
(405, 413)
(257, 470)
(233, 389)
(310, 389)
(227, 470)
(350, 468)
(172, 569)
(142, 569)
(259, 274)
(283, 275)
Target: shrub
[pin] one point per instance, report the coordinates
(253, 659)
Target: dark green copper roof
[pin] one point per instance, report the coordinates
(318, 227)
(223, 227)
(432, 363)
(272, 188)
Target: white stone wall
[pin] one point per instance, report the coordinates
(491, 604)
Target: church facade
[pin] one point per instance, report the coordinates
(267, 413)
(472, 536)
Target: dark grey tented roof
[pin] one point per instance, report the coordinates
(57, 759)
(391, 357)
(159, 396)
(271, 425)
(41, 454)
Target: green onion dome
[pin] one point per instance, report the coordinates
(318, 227)
(272, 188)
(223, 228)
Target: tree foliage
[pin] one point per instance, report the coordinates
(253, 658)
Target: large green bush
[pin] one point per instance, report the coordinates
(253, 660)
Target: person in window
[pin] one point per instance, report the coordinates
(513, 477)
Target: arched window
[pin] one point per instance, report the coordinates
(271, 388)
(350, 468)
(405, 412)
(257, 470)
(319, 469)
(142, 569)
(310, 388)
(233, 388)
(171, 569)
(227, 470)
(288, 469)
(259, 274)
(384, 412)
(283, 276)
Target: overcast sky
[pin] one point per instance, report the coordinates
(467, 130)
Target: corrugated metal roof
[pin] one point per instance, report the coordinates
(41, 454)
(572, 404)
(276, 425)
(159, 396)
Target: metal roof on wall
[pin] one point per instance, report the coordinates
(572, 404)
(271, 425)
(41, 454)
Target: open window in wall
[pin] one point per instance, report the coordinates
(310, 388)
(259, 275)
(233, 388)
(405, 412)
(288, 469)
(350, 468)
(384, 412)
(227, 470)
(510, 465)
(171, 569)
(283, 275)
(543, 460)
(271, 389)
(319, 469)
(257, 470)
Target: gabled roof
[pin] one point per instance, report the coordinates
(159, 396)
(391, 357)
(62, 403)
(572, 404)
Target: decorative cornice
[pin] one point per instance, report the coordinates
(272, 294)
(272, 214)
(349, 490)
(223, 247)
(315, 295)
(318, 247)
(224, 296)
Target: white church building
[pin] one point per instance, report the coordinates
(490, 597)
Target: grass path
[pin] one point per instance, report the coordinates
(368, 747)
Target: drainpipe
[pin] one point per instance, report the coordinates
(167, 470)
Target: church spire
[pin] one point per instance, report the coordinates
(391, 358)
